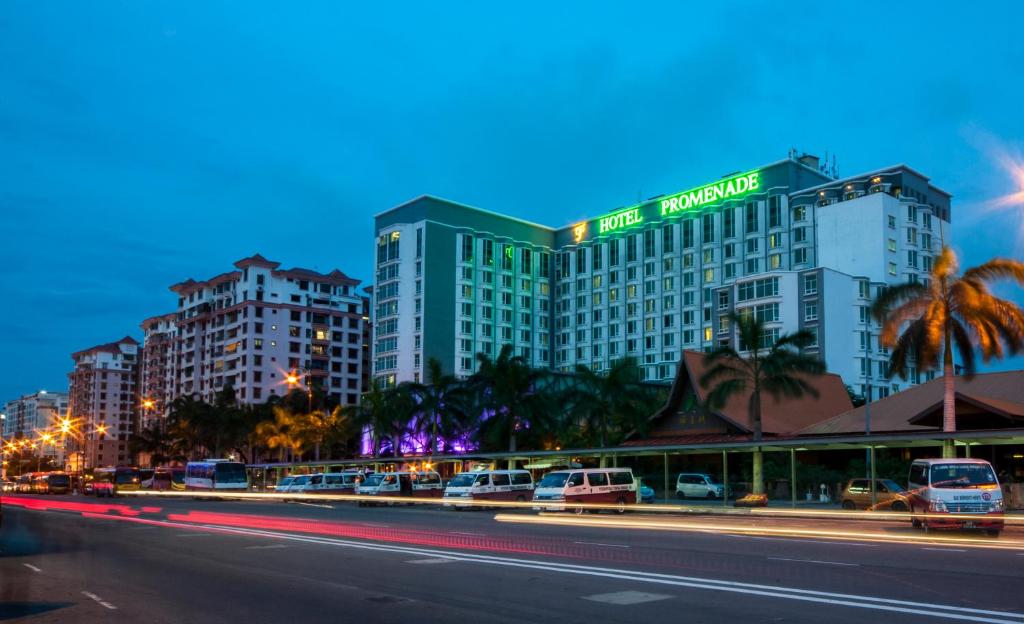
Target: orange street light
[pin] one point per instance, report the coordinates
(292, 379)
(101, 429)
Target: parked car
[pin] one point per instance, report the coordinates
(8, 486)
(646, 494)
(698, 485)
(283, 484)
(888, 495)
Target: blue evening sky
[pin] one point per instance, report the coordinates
(142, 143)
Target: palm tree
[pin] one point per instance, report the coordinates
(283, 433)
(779, 369)
(396, 415)
(440, 405)
(155, 442)
(613, 400)
(508, 389)
(369, 414)
(922, 322)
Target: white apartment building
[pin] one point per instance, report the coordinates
(253, 326)
(103, 401)
(31, 415)
(645, 280)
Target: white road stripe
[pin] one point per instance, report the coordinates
(947, 549)
(805, 595)
(468, 533)
(193, 534)
(266, 546)
(317, 505)
(789, 539)
(98, 600)
(431, 560)
(602, 544)
(838, 563)
(32, 567)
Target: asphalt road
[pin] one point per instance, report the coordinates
(72, 559)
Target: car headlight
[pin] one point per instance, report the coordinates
(996, 505)
(937, 505)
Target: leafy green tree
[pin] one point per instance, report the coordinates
(923, 322)
(780, 369)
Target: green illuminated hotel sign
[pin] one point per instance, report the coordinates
(732, 187)
(729, 188)
(619, 220)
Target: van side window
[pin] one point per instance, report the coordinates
(621, 478)
(575, 480)
(316, 479)
(597, 478)
(917, 476)
(483, 480)
(521, 478)
(430, 478)
(500, 479)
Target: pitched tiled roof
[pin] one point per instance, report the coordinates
(777, 417)
(1000, 393)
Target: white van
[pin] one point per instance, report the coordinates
(940, 490)
(489, 485)
(333, 483)
(609, 486)
(406, 484)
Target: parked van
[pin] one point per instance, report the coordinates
(614, 486)
(333, 483)
(489, 485)
(950, 487)
(406, 484)
(698, 485)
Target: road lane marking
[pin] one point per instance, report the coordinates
(625, 598)
(32, 567)
(947, 549)
(317, 505)
(266, 546)
(431, 560)
(374, 524)
(468, 533)
(193, 534)
(838, 563)
(788, 593)
(98, 600)
(602, 544)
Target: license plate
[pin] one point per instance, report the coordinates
(970, 525)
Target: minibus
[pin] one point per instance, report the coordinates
(955, 493)
(405, 484)
(333, 483)
(559, 490)
(488, 485)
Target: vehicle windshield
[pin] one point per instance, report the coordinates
(126, 476)
(178, 476)
(301, 480)
(373, 480)
(285, 481)
(553, 480)
(231, 473)
(961, 475)
(464, 479)
(892, 486)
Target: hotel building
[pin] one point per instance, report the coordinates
(795, 245)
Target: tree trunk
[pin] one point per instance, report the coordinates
(316, 451)
(948, 397)
(396, 445)
(758, 476)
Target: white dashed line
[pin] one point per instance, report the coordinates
(266, 546)
(317, 505)
(625, 598)
(947, 549)
(431, 560)
(602, 544)
(801, 541)
(32, 567)
(467, 533)
(193, 534)
(98, 600)
(852, 565)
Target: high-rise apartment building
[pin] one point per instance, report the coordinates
(786, 241)
(157, 373)
(255, 325)
(103, 401)
(31, 415)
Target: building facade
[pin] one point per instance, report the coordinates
(103, 400)
(157, 372)
(655, 278)
(252, 327)
(32, 415)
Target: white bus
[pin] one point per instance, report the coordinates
(216, 475)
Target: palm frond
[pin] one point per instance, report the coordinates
(895, 296)
(997, 268)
